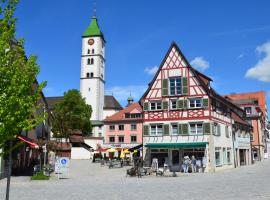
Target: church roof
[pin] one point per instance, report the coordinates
(53, 100)
(93, 29)
(111, 103)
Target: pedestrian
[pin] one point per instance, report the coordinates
(186, 163)
(193, 164)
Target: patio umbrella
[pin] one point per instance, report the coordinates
(126, 151)
(122, 155)
(111, 150)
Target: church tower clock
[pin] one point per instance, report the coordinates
(92, 78)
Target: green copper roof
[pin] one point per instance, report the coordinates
(93, 29)
(130, 98)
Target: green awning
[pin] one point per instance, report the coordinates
(176, 145)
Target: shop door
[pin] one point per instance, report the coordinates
(175, 157)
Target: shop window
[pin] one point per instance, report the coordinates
(196, 128)
(175, 86)
(217, 157)
(133, 127)
(195, 103)
(121, 139)
(156, 105)
(112, 128)
(121, 127)
(156, 129)
(174, 129)
(133, 138)
(174, 104)
(112, 139)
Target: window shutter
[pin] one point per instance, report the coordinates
(184, 85)
(165, 105)
(164, 87)
(180, 104)
(185, 103)
(205, 103)
(180, 129)
(206, 128)
(145, 130)
(145, 106)
(218, 130)
(166, 129)
(185, 129)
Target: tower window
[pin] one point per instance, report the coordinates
(92, 61)
(88, 51)
(88, 61)
(92, 75)
(93, 51)
(87, 75)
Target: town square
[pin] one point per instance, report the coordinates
(134, 99)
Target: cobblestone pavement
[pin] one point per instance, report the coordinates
(90, 181)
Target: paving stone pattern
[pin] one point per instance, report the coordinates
(90, 181)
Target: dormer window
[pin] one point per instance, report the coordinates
(175, 86)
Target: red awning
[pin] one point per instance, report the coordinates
(27, 140)
(101, 149)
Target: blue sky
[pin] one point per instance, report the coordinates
(223, 39)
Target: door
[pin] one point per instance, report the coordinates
(175, 160)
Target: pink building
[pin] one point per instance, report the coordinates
(124, 128)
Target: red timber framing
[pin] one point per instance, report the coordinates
(176, 65)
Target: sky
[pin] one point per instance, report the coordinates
(228, 41)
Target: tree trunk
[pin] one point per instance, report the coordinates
(9, 170)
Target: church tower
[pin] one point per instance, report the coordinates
(92, 78)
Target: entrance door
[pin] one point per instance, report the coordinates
(242, 155)
(175, 160)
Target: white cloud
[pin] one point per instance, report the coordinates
(151, 70)
(121, 93)
(261, 71)
(240, 56)
(200, 63)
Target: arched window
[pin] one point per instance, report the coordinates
(88, 61)
(88, 51)
(92, 61)
(92, 75)
(93, 51)
(87, 75)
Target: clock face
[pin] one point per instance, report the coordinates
(91, 41)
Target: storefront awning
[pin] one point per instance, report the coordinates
(177, 145)
(28, 141)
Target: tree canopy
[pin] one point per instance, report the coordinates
(20, 109)
(72, 113)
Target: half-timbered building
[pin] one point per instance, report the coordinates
(184, 116)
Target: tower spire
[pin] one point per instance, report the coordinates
(94, 9)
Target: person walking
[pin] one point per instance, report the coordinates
(186, 164)
(193, 164)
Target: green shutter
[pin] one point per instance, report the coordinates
(180, 104)
(185, 129)
(185, 103)
(185, 85)
(205, 103)
(218, 130)
(166, 129)
(164, 87)
(165, 105)
(145, 130)
(206, 128)
(145, 106)
(180, 129)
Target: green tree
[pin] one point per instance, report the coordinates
(20, 109)
(72, 113)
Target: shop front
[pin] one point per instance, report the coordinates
(172, 154)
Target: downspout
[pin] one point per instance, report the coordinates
(233, 136)
(259, 141)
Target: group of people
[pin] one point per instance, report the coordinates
(194, 164)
